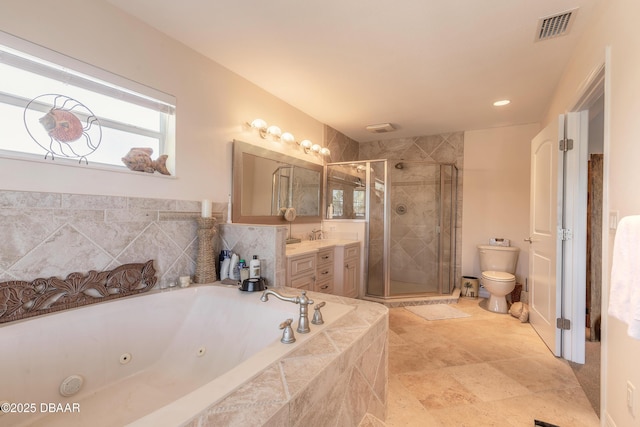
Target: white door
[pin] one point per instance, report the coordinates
(545, 248)
(557, 255)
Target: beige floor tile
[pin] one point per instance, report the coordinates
(475, 415)
(565, 408)
(437, 389)
(539, 373)
(486, 382)
(407, 358)
(404, 410)
(485, 370)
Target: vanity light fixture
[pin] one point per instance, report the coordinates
(277, 135)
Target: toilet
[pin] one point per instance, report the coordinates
(498, 265)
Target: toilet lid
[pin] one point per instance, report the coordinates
(498, 276)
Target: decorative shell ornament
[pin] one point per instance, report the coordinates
(139, 159)
(289, 214)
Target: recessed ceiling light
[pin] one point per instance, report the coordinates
(501, 103)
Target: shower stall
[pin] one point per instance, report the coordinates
(409, 208)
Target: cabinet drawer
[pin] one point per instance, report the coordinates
(302, 265)
(351, 251)
(325, 272)
(325, 287)
(325, 256)
(304, 282)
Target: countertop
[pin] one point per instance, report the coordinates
(311, 246)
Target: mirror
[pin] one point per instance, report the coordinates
(266, 183)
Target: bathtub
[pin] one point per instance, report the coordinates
(164, 358)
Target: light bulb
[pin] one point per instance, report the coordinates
(306, 144)
(325, 151)
(258, 124)
(287, 138)
(274, 131)
(315, 148)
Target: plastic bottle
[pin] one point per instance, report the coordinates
(242, 264)
(233, 268)
(224, 268)
(254, 268)
(330, 211)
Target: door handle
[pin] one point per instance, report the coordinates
(530, 240)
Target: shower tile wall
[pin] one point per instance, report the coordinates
(54, 234)
(343, 148)
(413, 233)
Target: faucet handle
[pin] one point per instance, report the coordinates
(317, 315)
(287, 334)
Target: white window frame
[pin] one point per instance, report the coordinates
(25, 55)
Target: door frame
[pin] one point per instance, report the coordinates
(574, 274)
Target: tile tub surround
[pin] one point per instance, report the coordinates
(53, 234)
(336, 378)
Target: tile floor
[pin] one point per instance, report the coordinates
(485, 370)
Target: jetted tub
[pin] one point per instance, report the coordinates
(156, 359)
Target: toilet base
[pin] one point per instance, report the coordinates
(497, 304)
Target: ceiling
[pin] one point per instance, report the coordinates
(426, 66)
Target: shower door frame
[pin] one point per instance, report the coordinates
(386, 250)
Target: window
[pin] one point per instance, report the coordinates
(359, 202)
(338, 203)
(53, 106)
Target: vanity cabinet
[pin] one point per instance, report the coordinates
(347, 270)
(301, 271)
(325, 271)
(329, 267)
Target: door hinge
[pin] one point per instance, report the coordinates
(565, 144)
(564, 324)
(566, 234)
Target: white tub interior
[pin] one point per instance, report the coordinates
(201, 341)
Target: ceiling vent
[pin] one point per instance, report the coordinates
(380, 128)
(556, 25)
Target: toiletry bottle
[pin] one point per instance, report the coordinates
(330, 211)
(224, 265)
(233, 268)
(241, 266)
(254, 268)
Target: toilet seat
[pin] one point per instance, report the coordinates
(498, 276)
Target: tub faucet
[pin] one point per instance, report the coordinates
(303, 300)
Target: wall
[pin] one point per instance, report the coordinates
(55, 234)
(496, 193)
(614, 27)
(212, 103)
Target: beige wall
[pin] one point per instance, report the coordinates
(212, 102)
(496, 192)
(615, 26)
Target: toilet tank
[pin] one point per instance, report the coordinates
(498, 258)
